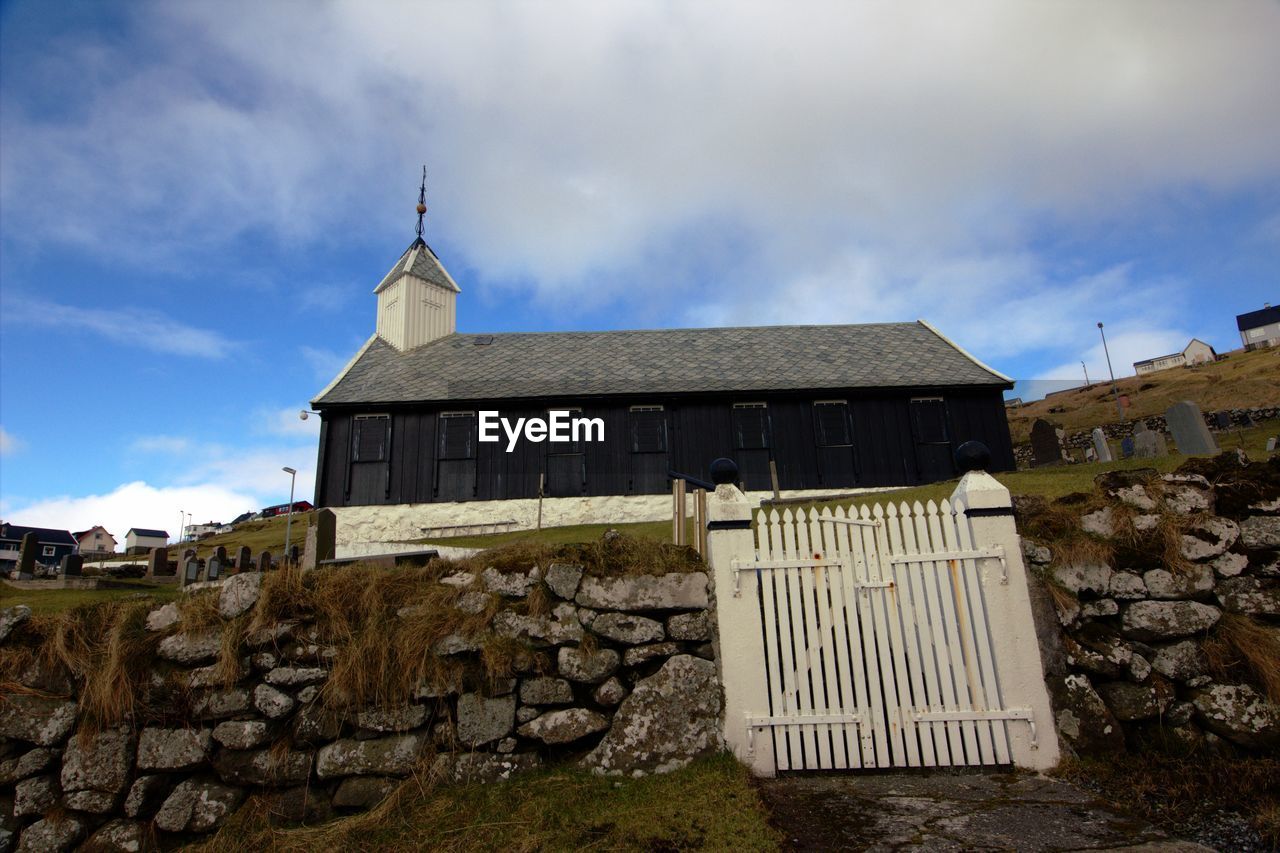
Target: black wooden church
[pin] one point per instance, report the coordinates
(832, 407)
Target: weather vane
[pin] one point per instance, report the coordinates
(422, 201)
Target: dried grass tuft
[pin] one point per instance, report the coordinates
(1242, 647)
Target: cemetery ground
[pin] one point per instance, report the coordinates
(1243, 380)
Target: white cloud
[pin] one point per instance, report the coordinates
(135, 327)
(841, 161)
(9, 443)
(325, 363)
(166, 444)
(136, 504)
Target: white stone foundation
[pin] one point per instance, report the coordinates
(365, 530)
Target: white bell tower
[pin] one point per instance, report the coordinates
(417, 299)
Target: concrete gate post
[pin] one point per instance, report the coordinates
(739, 644)
(1013, 631)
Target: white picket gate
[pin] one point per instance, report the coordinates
(881, 639)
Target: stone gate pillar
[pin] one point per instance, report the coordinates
(739, 649)
(1013, 632)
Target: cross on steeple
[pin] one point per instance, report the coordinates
(422, 200)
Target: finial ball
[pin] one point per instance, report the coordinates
(422, 208)
(724, 471)
(973, 456)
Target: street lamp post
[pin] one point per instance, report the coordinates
(288, 524)
(1087, 386)
(181, 516)
(1114, 389)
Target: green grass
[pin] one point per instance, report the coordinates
(710, 805)
(54, 600)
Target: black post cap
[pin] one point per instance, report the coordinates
(724, 471)
(973, 456)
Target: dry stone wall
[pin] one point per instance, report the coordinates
(617, 675)
(1142, 646)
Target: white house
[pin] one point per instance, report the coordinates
(1196, 352)
(96, 540)
(140, 540)
(1259, 328)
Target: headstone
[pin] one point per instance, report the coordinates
(71, 566)
(1271, 444)
(189, 554)
(264, 561)
(1189, 431)
(244, 559)
(1100, 445)
(1222, 420)
(190, 572)
(27, 557)
(326, 536)
(1249, 422)
(1090, 455)
(221, 553)
(293, 555)
(158, 562)
(213, 571)
(1046, 447)
(1126, 447)
(1144, 441)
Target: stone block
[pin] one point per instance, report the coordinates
(263, 767)
(198, 805)
(563, 579)
(566, 726)
(675, 591)
(390, 756)
(40, 720)
(695, 627)
(1188, 582)
(191, 649)
(1157, 620)
(100, 762)
(628, 628)
(1240, 714)
(1260, 531)
(363, 792)
(401, 718)
(669, 719)
(590, 667)
(173, 749)
(272, 703)
(483, 720)
(546, 691)
(239, 594)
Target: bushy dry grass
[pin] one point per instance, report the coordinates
(1178, 791)
(1243, 648)
(104, 647)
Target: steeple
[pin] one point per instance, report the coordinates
(417, 298)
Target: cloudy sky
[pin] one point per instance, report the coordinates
(197, 198)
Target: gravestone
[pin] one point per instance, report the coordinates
(1090, 455)
(1271, 444)
(158, 562)
(1189, 431)
(1222, 420)
(190, 573)
(189, 554)
(293, 555)
(1100, 445)
(72, 566)
(27, 557)
(1126, 447)
(1249, 422)
(264, 561)
(213, 571)
(221, 553)
(1144, 441)
(1046, 446)
(244, 559)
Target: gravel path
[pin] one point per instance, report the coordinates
(952, 811)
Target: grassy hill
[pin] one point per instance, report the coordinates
(1242, 380)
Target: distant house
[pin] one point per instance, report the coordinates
(1196, 352)
(202, 531)
(53, 544)
(140, 540)
(95, 541)
(283, 509)
(1259, 328)
(1013, 403)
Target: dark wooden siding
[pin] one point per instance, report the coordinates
(884, 449)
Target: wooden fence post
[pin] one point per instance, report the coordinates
(678, 513)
